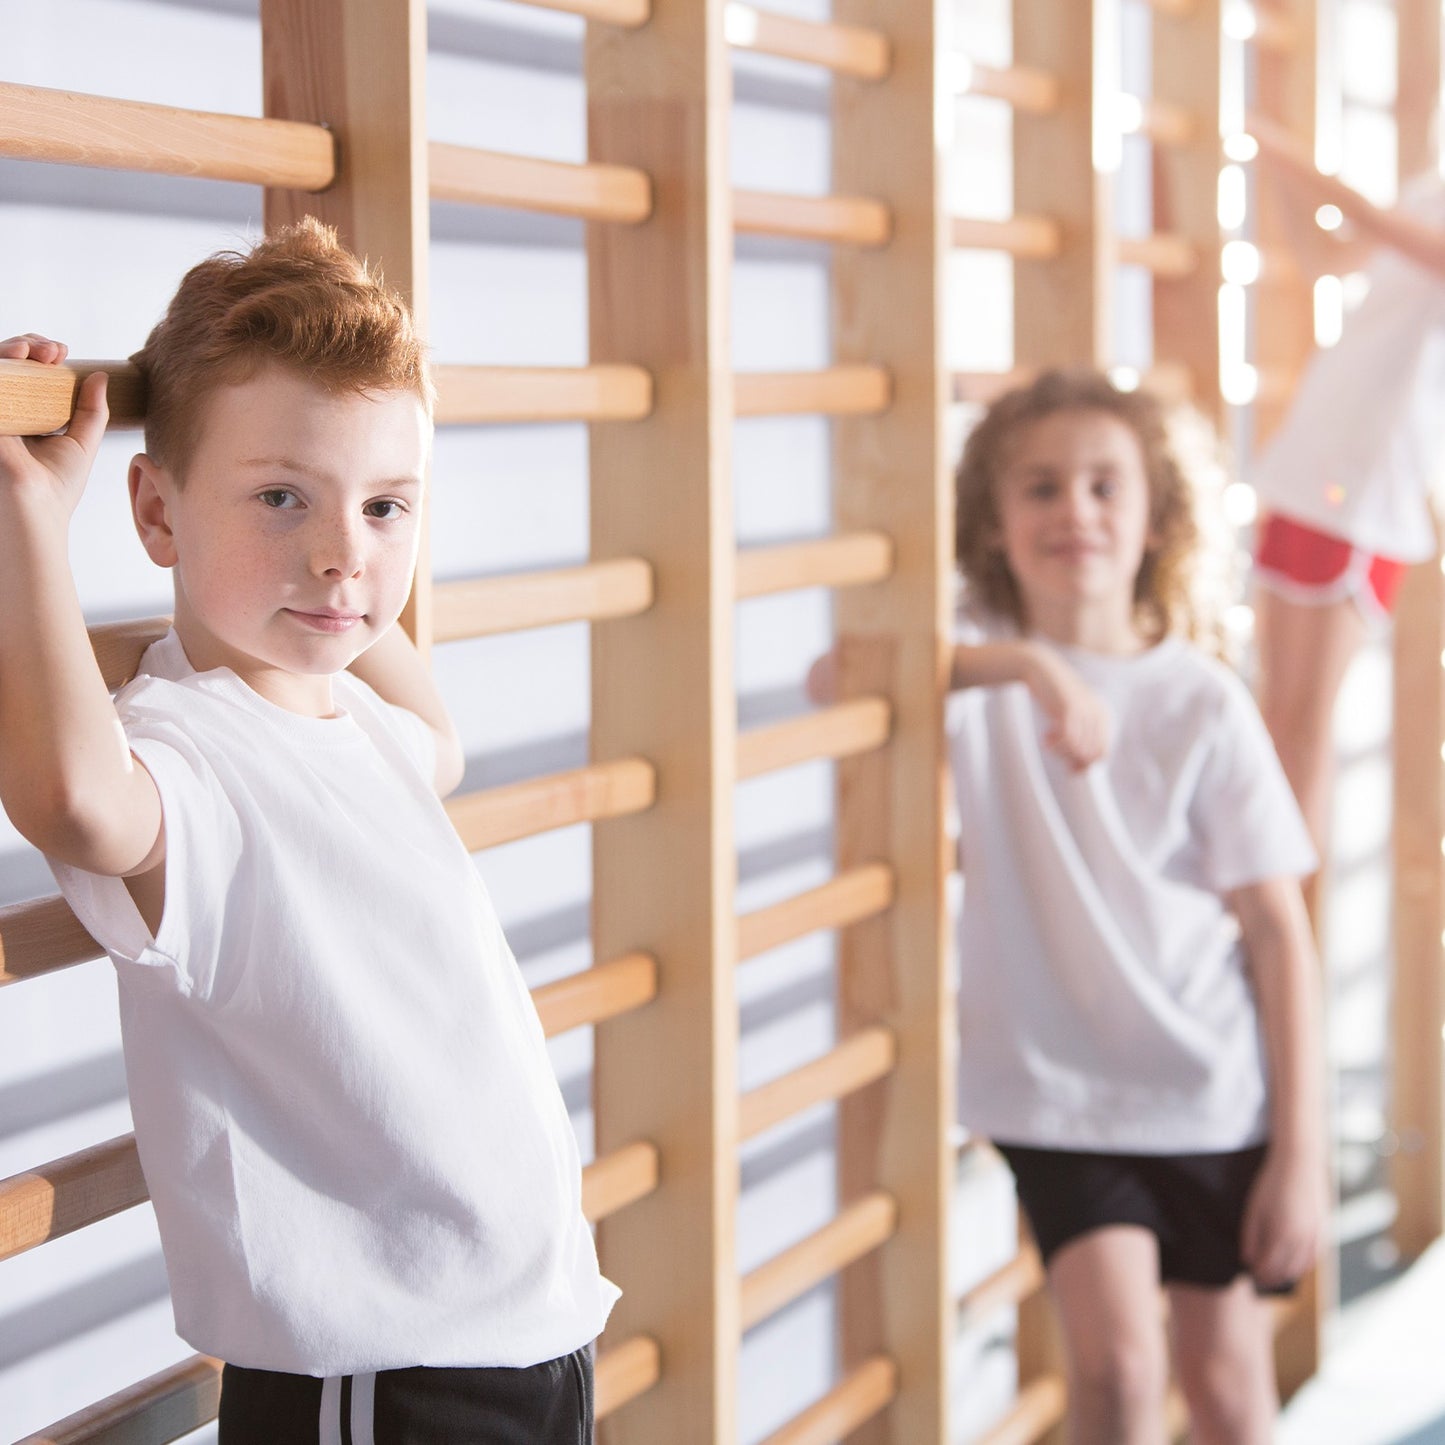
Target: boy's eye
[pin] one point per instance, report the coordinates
(279, 497)
(387, 508)
(1105, 486)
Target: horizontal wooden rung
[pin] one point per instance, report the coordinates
(41, 936)
(584, 795)
(857, 1231)
(1021, 1277)
(859, 893)
(36, 399)
(65, 1195)
(595, 994)
(1039, 1407)
(592, 191)
(1025, 237)
(482, 395)
(1165, 123)
(60, 126)
(619, 1179)
(610, 12)
(841, 731)
(980, 388)
(485, 606)
(165, 1406)
(848, 560)
(624, 1372)
(1034, 92)
(850, 220)
(118, 646)
(1170, 258)
(847, 49)
(837, 391)
(865, 1390)
(857, 1062)
(80, 1189)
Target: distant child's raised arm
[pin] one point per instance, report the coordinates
(67, 777)
(1421, 243)
(1285, 1218)
(1080, 722)
(393, 668)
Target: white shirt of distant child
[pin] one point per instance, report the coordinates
(1363, 445)
(358, 1152)
(1105, 1003)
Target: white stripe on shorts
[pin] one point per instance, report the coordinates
(363, 1408)
(328, 1425)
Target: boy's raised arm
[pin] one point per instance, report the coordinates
(67, 777)
(394, 669)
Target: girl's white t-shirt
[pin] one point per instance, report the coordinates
(1362, 446)
(1105, 1002)
(348, 1122)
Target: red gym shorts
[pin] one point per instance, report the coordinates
(1305, 565)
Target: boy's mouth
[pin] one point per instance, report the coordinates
(326, 619)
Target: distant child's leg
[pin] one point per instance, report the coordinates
(1304, 650)
(1106, 1287)
(1223, 1346)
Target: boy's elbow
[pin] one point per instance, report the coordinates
(451, 763)
(72, 830)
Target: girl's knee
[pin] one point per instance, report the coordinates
(1122, 1378)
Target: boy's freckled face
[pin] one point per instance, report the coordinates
(1073, 509)
(296, 531)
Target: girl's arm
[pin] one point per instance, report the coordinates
(67, 777)
(1079, 730)
(1412, 238)
(393, 668)
(1285, 1218)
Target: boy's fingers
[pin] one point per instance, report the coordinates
(87, 425)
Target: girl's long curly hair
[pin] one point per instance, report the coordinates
(1168, 595)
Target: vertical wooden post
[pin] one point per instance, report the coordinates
(1287, 90)
(1187, 71)
(662, 688)
(1284, 320)
(1063, 305)
(891, 473)
(361, 70)
(1418, 1082)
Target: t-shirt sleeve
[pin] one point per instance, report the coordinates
(1245, 814)
(416, 738)
(203, 847)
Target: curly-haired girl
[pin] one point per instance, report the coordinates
(1138, 999)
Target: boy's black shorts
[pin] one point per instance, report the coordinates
(1192, 1203)
(546, 1404)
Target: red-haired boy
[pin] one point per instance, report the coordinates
(366, 1182)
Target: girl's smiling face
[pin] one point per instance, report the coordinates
(1072, 499)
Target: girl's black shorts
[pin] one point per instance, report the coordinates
(546, 1404)
(1193, 1204)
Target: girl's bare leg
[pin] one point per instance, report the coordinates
(1304, 651)
(1106, 1287)
(1223, 1345)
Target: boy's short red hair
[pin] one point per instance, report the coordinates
(298, 299)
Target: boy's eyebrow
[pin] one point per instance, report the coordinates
(288, 464)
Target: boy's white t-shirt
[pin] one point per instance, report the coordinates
(1105, 1003)
(1362, 446)
(357, 1149)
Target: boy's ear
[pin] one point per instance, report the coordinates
(151, 488)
